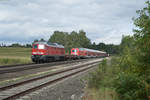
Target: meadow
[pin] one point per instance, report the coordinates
(15, 55)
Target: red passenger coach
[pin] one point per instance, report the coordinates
(46, 52)
(87, 53)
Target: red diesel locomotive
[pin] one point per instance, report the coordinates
(46, 52)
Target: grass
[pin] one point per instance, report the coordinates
(100, 82)
(101, 94)
(12, 55)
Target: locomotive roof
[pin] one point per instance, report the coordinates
(82, 49)
(50, 44)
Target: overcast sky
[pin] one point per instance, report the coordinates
(103, 20)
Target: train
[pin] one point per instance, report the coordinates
(47, 52)
(87, 53)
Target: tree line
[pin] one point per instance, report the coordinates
(16, 45)
(72, 40)
(80, 40)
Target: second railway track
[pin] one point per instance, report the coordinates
(17, 90)
(21, 67)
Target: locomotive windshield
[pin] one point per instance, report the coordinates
(74, 50)
(35, 46)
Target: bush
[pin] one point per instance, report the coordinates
(131, 87)
(103, 75)
(96, 78)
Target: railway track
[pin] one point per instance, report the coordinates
(21, 67)
(5, 66)
(17, 90)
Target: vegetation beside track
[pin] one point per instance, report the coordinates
(100, 82)
(129, 73)
(15, 55)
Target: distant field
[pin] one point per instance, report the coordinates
(11, 55)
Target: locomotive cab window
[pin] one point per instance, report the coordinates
(35, 46)
(74, 50)
(41, 46)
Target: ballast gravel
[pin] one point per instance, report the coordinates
(68, 89)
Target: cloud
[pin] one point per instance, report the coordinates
(103, 20)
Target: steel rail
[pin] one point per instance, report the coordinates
(48, 83)
(34, 66)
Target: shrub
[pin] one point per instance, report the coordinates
(131, 87)
(96, 78)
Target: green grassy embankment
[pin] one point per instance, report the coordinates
(118, 79)
(100, 82)
(12, 55)
(100, 94)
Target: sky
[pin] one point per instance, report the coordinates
(106, 21)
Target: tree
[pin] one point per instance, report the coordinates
(102, 46)
(93, 46)
(83, 40)
(126, 42)
(42, 40)
(16, 45)
(58, 37)
(142, 38)
(134, 80)
(28, 45)
(80, 40)
(36, 40)
(72, 40)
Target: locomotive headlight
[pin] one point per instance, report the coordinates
(41, 46)
(40, 53)
(34, 52)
